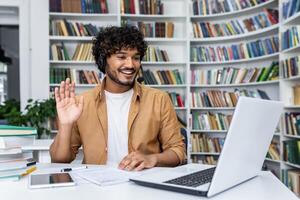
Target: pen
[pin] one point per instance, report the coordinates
(73, 168)
(28, 171)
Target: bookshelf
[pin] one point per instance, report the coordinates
(178, 48)
(270, 86)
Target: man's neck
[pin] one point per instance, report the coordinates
(114, 87)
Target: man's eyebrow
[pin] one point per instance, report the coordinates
(124, 53)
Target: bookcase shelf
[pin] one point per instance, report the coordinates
(238, 12)
(262, 32)
(292, 78)
(143, 17)
(167, 86)
(81, 15)
(163, 63)
(292, 136)
(165, 39)
(273, 161)
(292, 165)
(260, 58)
(72, 62)
(237, 85)
(291, 50)
(77, 85)
(70, 38)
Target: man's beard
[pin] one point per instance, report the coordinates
(114, 78)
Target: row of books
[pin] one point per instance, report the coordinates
(78, 76)
(248, 50)
(155, 54)
(218, 98)
(210, 121)
(291, 178)
(290, 8)
(202, 143)
(176, 99)
(235, 27)
(291, 67)
(144, 7)
(292, 123)
(79, 6)
(274, 151)
(291, 37)
(231, 75)
(71, 28)
(15, 162)
(291, 151)
(208, 7)
(83, 52)
(163, 77)
(208, 160)
(152, 29)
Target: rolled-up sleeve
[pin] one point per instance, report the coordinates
(170, 136)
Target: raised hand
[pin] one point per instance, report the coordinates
(68, 109)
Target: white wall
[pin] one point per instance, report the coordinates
(32, 18)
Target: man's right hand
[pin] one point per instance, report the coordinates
(68, 109)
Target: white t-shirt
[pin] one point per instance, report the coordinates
(118, 105)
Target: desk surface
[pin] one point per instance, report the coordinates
(265, 186)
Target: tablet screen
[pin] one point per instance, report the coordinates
(57, 179)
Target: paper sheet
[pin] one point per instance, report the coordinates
(104, 175)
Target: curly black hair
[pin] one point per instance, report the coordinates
(112, 39)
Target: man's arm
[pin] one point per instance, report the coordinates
(68, 111)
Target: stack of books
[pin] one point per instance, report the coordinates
(14, 162)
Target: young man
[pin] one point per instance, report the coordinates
(119, 122)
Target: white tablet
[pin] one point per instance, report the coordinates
(50, 180)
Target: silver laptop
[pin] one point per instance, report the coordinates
(247, 141)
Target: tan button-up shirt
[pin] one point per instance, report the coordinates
(152, 125)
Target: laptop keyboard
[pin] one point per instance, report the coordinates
(195, 179)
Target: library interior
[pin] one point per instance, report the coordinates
(107, 98)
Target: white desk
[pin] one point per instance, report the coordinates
(264, 187)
